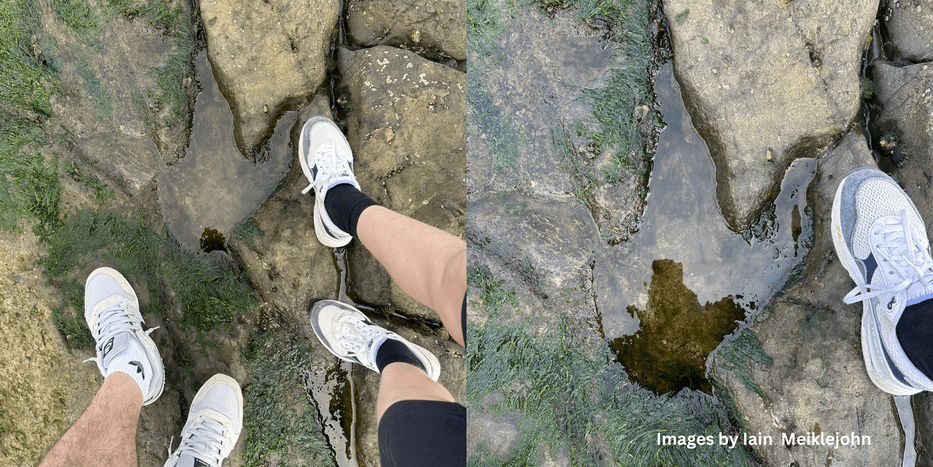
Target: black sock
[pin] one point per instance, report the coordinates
(915, 333)
(392, 351)
(344, 204)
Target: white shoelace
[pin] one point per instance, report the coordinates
(205, 440)
(115, 318)
(329, 167)
(901, 255)
(357, 337)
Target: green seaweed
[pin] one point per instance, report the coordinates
(26, 77)
(493, 124)
(30, 188)
(208, 295)
(279, 420)
(79, 17)
(492, 294)
(583, 405)
(741, 349)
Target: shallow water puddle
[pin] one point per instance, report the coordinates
(214, 188)
(332, 393)
(682, 228)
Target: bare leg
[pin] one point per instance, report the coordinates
(106, 434)
(427, 263)
(401, 381)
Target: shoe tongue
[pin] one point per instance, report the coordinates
(187, 460)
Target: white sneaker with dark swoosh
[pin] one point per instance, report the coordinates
(881, 241)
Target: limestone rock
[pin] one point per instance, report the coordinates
(778, 77)
(268, 57)
(910, 26)
(288, 265)
(408, 134)
(436, 26)
(101, 105)
(817, 381)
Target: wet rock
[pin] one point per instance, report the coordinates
(406, 128)
(817, 380)
(910, 26)
(779, 78)
(434, 26)
(103, 106)
(498, 434)
(542, 253)
(268, 57)
(524, 113)
(453, 368)
(286, 263)
(906, 119)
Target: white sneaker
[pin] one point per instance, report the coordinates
(348, 334)
(213, 427)
(111, 309)
(881, 241)
(326, 160)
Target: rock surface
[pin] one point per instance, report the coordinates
(268, 57)
(103, 106)
(435, 26)
(910, 26)
(524, 113)
(406, 129)
(906, 97)
(778, 79)
(817, 381)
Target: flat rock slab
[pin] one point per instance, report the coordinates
(910, 27)
(438, 26)
(290, 268)
(539, 247)
(778, 78)
(408, 136)
(268, 57)
(817, 381)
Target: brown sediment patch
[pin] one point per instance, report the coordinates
(677, 333)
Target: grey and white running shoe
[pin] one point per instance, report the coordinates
(111, 310)
(351, 336)
(881, 241)
(327, 161)
(214, 424)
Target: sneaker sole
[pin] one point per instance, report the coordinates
(429, 360)
(873, 352)
(151, 350)
(319, 229)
